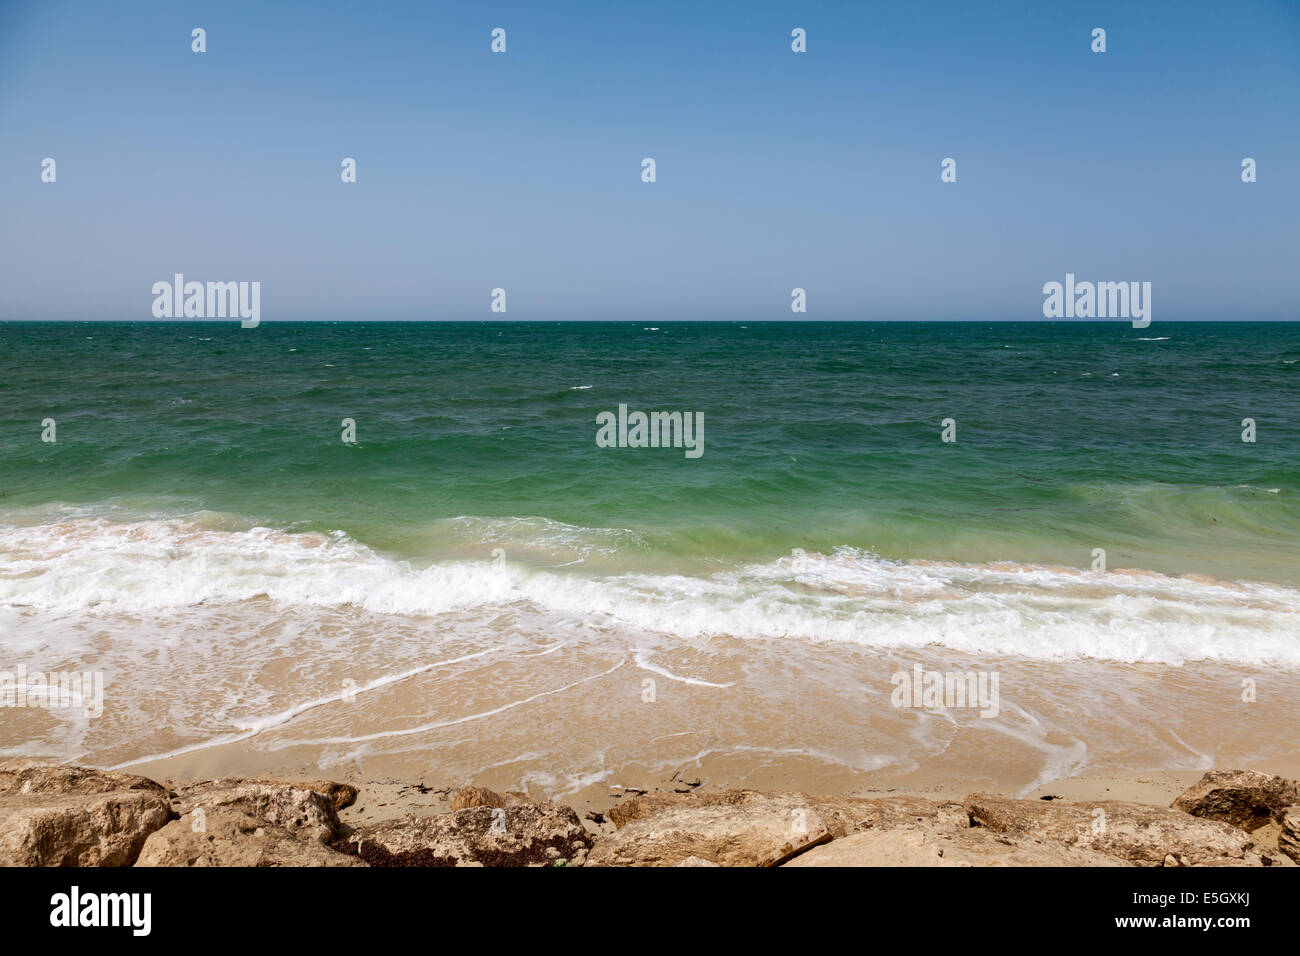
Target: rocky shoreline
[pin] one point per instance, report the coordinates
(61, 815)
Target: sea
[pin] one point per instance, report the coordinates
(400, 545)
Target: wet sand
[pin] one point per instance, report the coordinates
(580, 726)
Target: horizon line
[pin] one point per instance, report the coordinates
(765, 321)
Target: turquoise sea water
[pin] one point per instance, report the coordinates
(1070, 437)
(499, 587)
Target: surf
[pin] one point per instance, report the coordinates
(90, 567)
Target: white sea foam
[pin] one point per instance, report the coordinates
(644, 662)
(439, 724)
(94, 566)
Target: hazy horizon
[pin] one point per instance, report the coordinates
(503, 320)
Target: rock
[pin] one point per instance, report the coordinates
(640, 807)
(33, 777)
(504, 836)
(467, 797)
(1134, 832)
(1288, 841)
(842, 815)
(342, 795)
(696, 861)
(74, 816)
(759, 832)
(852, 814)
(306, 813)
(232, 838)
(973, 846)
(1242, 798)
(754, 828)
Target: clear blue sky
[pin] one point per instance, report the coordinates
(775, 170)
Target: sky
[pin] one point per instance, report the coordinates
(775, 169)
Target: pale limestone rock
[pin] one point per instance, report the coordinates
(230, 837)
(1140, 834)
(973, 846)
(467, 797)
(503, 836)
(307, 813)
(1242, 798)
(1288, 841)
(74, 816)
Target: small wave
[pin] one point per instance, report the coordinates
(92, 566)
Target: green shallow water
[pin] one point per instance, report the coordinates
(1070, 437)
